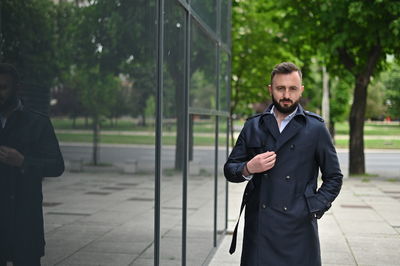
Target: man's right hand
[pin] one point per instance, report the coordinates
(261, 162)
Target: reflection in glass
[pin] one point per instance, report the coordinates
(223, 81)
(221, 182)
(207, 10)
(100, 74)
(203, 77)
(172, 158)
(225, 21)
(200, 213)
(102, 210)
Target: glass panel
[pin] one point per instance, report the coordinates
(207, 10)
(222, 156)
(173, 135)
(225, 20)
(200, 214)
(223, 81)
(102, 72)
(203, 70)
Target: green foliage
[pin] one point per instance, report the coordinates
(257, 47)
(391, 82)
(27, 39)
(262, 37)
(345, 31)
(376, 107)
(202, 91)
(96, 91)
(340, 97)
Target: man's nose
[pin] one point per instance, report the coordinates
(286, 93)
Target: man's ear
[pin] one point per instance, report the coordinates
(270, 89)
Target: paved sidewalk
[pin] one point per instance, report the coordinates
(361, 228)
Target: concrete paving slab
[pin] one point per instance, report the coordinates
(82, 258)
(361, 228)
(117, 227)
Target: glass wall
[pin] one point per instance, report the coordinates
(138, 94)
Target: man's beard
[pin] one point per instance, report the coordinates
(285, 110)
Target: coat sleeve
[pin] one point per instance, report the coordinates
(332, 178)
(233, 168)
(45, 158)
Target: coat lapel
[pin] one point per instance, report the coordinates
(289, 132)
(270, 125)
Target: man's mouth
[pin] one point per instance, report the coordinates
(285, 102)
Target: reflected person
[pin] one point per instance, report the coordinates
(29, 151)
(280, 153)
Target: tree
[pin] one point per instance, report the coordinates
(27, 41)
(259, 43)
(391, 81)
(98, 94)
(100, 51)
(352, 35)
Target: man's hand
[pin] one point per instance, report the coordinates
(11, 156)
(261, 162)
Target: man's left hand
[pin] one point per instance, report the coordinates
(11, 156)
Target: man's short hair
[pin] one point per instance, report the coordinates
(285, 68)
(8, 69)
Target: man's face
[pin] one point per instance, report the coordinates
(6, 88)
(286, 90)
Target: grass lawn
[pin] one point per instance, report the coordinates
(370, 128)
(372, 144)
(208, 126)
(121, 139)
(201, 126)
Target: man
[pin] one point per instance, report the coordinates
(29, 151)
(280, 152)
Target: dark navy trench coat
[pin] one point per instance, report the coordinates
(283, 203)
(21, 223)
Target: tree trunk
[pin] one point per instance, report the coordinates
(356, 121)
(332, 130)
(231, 128)
(96, 139)
(325, 97)
(357, 113)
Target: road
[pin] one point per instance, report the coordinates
(383, 162)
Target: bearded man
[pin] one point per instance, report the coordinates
(29, 151)
(279, 153)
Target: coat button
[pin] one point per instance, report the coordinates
(287, 177)
(265, 175)
(263, 206)
(285, 208)
(292, 147)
